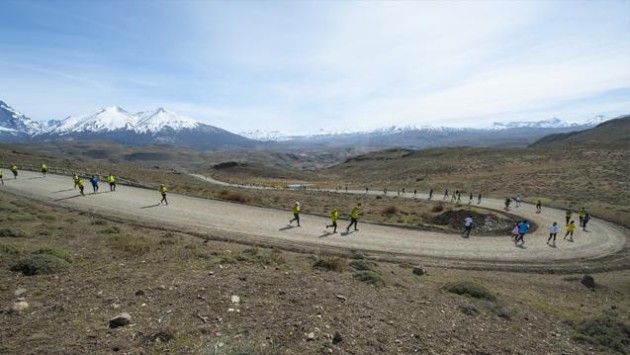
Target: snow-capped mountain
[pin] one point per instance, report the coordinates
(104, 120)
(160, 119)
(12, 122)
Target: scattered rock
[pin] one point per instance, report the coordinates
(236, 299)
(342, 297)
(418, 270)
(588, 281)
(120, 320)
(310, 336)
(20, 305)
(139, 293)
(19, 292)
(337, 338)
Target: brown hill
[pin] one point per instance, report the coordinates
(615, 132)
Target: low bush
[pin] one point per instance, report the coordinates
(390, 210)
(9, 249)
(369, 277)
(363, 265)
(438, 208)
(606, 330)
(110, 230)
(37, 264)
(11, 233)
(58, 252)
(232, 196)
(472, 289)
(333, 263)
(130, 245)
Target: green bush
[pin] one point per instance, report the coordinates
(389, 210)
(9, 249)
(36, 264)
(130, 245)
(472, 289)
(60, 253)
(369, 277)
(606, 330)
(363, 265)
(332, 263)
(110, 230)
(11, 233)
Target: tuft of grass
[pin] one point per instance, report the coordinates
(332, 263)
(370, 277)
(273, 257)
(12, 233)
(54, 251)
(130, 245)
(605, 330)
(469, 309)
(99, 222)
(472, 289)
(110, 230)
(37, 264)
(9, 249)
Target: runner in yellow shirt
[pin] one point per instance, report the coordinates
(163, 190)
(296, 213)
(334, 215)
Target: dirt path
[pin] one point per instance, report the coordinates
(604, 246)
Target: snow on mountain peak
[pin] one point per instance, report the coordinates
(12, 120)
(104, 120)
(149, 122)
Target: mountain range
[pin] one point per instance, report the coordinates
(162, 126)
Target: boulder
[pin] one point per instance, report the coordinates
(588, 281)
(419, 270)
(120, 320)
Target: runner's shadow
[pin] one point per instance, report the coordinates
(33, 178)
(68, 198)
(150, 206)
(521, 246)
(325, 234)
(56, 192)
(346, 233)
(286, 228)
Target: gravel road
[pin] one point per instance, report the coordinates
(603, 243)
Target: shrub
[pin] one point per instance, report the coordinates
(11, 233)
(370, 277)
(606, 330)
(469, 309)
(273, 257)
(9, 249)
(36, 264)
(99, 222)
(130, 245)
(472, 289)
(390, 210)
(438, 208)
(363, 264)
(60, 253)
(232, 196)
(332, 263)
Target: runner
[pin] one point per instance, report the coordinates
(334, 215)
(44, 169)
(445, 194)
(1, 178)
(468, 224)
(430, 194)
(14, 171)
(81, 186)
(570, 230)
(568, 215)
(518, 200)
(163, 190)
(523, 228)
(479, 199)
(553, 231)
(454, 196)
(515, 230)
(94, 182)
(538, 206)
(75, 178)
(507, 203)
(470, 199)
(354, 217)
(581, 214)
(112, 182)
(587, 217)
(296, 213)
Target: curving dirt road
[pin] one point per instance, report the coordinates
(603, 247)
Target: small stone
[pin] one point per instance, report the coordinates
(230, 309)
(19, 292)
(418, 270)
(236, 299)
(20, 305)
(588, 281)
(342, 297)
(337, 338)
(162, 287)
(120, 320)
(139, 293)
(310, 336)
(210, 273)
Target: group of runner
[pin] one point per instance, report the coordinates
(334, 216)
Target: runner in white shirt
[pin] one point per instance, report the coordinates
(553, 231)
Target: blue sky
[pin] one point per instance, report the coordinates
(302, 66)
